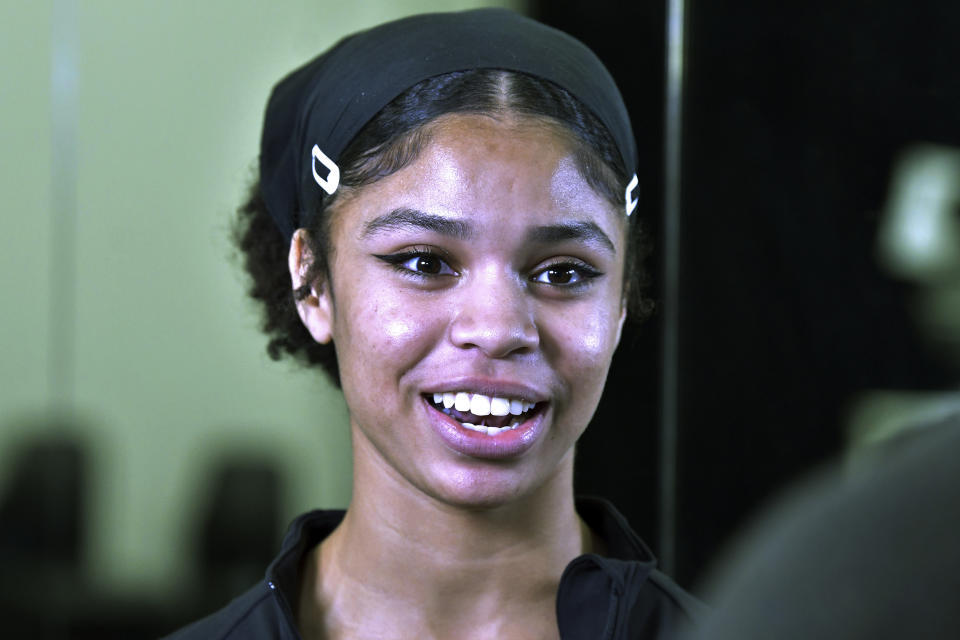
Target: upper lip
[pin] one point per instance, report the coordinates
(489, 387)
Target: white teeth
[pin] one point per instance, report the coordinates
(499, 406)
(490, 431)
(480, 405)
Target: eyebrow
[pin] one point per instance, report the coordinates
(404, 219)
(583, 231)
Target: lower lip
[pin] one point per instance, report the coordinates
(504, 445)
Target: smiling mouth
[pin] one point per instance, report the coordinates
(491, 415)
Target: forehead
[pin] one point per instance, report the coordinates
(480, 165)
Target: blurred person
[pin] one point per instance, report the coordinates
(444, 222)
(868, 549)
(918, 244)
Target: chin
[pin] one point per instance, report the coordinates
(483, 486)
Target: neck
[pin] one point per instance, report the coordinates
(431, 569)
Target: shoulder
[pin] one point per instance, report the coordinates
(257, 613)
(656, 607)
(602, 597)
(620, 594)
(869, 553)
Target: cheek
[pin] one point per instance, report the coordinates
(383, 332)
(397, 328)
(583, 343)
(592, 342)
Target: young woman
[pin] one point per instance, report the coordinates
(443, 223)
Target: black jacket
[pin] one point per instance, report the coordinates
(614, 597)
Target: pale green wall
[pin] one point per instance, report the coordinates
(168, 368)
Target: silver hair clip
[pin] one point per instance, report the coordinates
(332, 181)
(628, 195)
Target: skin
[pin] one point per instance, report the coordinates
(919, 242)
(436, 543)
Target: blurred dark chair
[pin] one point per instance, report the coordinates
(42, 533)
(42, 510)
(239, 527)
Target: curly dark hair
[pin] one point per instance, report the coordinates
(392, 140)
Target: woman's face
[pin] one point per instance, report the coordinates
(488, 275)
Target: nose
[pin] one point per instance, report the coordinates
(495, 316)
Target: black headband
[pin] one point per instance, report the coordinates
(315, 111)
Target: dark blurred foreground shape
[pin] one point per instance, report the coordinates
(872, 557)
(45, 592)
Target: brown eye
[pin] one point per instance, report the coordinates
(566, 274)
(559, 276)
(428, 264)
(422, 264)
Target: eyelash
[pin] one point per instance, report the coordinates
(399, 260)
(584, 273)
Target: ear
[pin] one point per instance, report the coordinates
(623, 318)
(316, 309)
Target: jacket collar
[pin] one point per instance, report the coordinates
(597, 593)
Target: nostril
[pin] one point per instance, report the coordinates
(495, 341)
(496, 317)
(496, 336)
